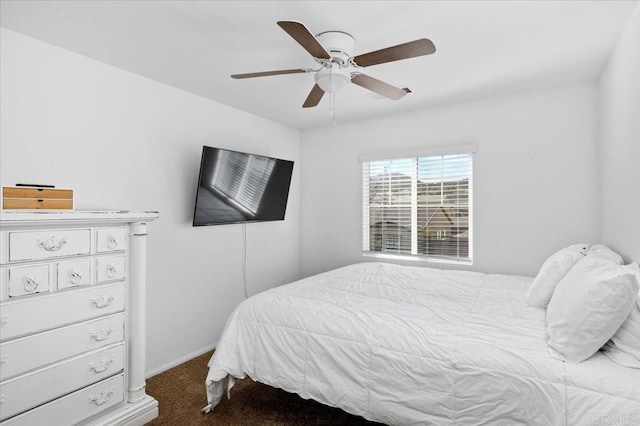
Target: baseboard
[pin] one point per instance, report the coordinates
(179, 361)
(137, 414)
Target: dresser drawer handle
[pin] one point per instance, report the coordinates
(112, 242)
(3, 359)
(30, 283)
(101, 365)
(4, 320)
(101, 334)
(101, 398)
(1, 398)
(111, 271)
(102, 301)
(75, 276)
(52, 244)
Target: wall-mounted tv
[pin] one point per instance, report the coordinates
(236, 187)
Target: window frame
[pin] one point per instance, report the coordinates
(413, 155)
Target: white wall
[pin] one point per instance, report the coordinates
(125, 142)
(619, 149)
(523, 209)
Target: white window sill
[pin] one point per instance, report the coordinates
(416, 258)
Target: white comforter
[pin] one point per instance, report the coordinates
(413, 345)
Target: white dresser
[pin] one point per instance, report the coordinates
(72, 318)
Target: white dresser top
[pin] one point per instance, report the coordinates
(15, 217)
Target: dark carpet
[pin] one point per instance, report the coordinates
(181, 394)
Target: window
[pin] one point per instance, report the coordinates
(418, 206)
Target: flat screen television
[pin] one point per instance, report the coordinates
(236, 187)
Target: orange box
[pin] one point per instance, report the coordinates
(34, 198)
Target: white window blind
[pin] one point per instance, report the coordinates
(418, 206)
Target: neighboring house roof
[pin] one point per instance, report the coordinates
(440, 218)
(391, 224)
(436, 218)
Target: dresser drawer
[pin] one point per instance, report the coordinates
(33, 245)
(40, 386)
(30, 315)
(111, 239)
(25, 280)
(110, 268)
(74, 273)
(75, 407)
(28, 353)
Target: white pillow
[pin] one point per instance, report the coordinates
(588, 307)
(624, 346)
(551, 272)
(602, 250)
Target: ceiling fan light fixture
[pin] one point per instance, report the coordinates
(332, 80)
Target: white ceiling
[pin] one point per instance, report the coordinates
(483, 47)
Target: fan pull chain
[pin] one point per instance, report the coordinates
(333, 108)
(331, 94)
(332, 100)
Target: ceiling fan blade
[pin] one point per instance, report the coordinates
(314, 97)
(380, 87)
(412, 49)
(268, 73)
(301, 34)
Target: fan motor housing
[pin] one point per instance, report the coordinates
(338, 44)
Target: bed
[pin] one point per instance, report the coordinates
(415, 345)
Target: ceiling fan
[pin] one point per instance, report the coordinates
(333, 51)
